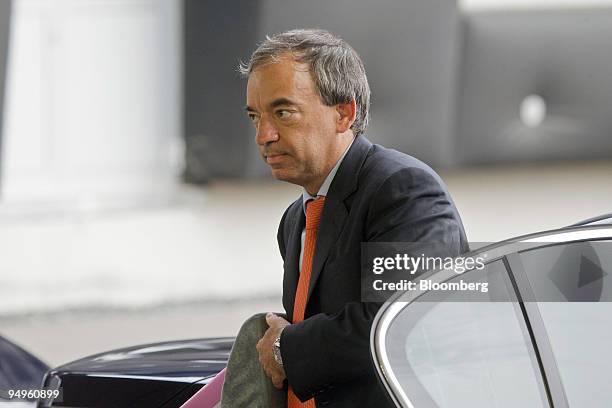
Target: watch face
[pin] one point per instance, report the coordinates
(276, 351)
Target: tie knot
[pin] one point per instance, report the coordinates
(314, 209)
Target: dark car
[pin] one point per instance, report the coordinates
(152, 375)
(19, 371)
(538, 337)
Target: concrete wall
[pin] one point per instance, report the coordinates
(535, 85)
(93, 103)
(5, 18)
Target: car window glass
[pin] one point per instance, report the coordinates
(463, 349)
(574, 287)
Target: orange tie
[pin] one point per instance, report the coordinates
(314, 209)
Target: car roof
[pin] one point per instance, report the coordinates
(604, 219)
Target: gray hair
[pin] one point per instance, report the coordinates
(336, 68)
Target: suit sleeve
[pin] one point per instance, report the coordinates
(328, 349)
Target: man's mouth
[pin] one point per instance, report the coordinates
(275, 158)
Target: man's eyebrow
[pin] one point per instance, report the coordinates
(275, 103)
(281, 102)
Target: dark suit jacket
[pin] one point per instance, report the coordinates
(378, 194)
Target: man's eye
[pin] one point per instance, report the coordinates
(283, 114)
(254, 118)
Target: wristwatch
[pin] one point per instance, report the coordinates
(276, 350)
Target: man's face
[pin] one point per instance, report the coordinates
(295, 131)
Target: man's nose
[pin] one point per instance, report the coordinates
(266, 132)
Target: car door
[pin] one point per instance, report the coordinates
(520, 343)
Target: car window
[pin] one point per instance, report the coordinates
(466, 348)
(573, 286)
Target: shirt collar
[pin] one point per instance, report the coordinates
(323, 190)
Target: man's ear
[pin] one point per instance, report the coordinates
(346, 116)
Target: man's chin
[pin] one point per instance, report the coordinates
(284, 174)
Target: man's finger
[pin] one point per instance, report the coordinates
(270, 317)
(277, 383)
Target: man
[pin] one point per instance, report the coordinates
(308, 98)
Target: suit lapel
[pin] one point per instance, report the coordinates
(293, 259)
(335, 212)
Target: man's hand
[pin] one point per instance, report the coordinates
(264, 347)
